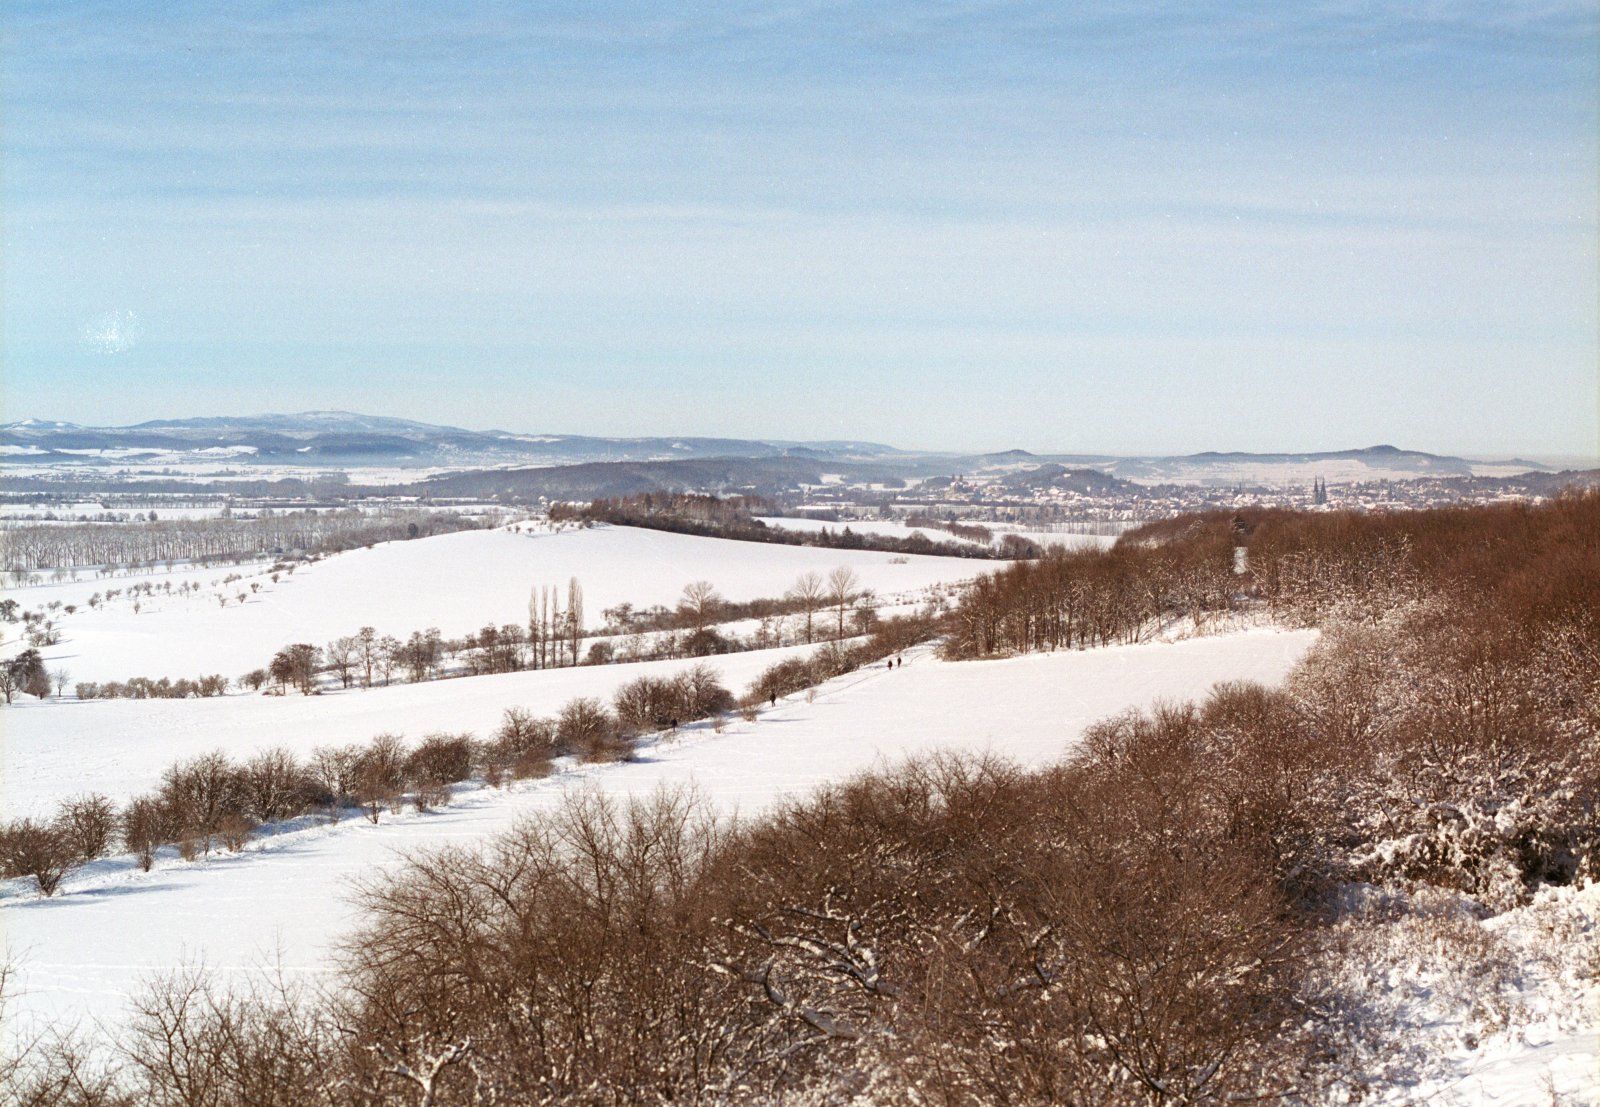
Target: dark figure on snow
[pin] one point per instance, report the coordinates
(774, 699)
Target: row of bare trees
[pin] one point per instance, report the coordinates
(734, 517)
(555, 636)
(210, 802)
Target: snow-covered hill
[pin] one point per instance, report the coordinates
(281, 905)
(456, 582)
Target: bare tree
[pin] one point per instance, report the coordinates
(61, 678)
(388, 656)
(370, 653)
(88, 824)
(333, 771)
(342, 655)
(699, 603)
(843, 588)
(40, 850)
(574, 617)
(273, 786)
(146, 827)
(807, 593)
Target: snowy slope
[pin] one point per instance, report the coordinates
(457, 582)
(281, 903)
(53, 750)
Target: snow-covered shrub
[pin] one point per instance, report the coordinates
(1469, 754)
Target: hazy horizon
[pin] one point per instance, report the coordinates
(1115, 229)
(1544, 458)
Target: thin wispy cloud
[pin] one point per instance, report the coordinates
(1389, 195)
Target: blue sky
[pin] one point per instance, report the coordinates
(1122, 227)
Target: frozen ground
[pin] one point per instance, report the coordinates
(281, 904)
(456, 582)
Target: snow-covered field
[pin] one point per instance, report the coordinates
(456, 582)
(281, 904)
(55, 749)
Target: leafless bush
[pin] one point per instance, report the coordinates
(273, 786)
(522, 747)
(146, 827)
(586, 728)
(191, 1042)
(380, 776)
(89, 825)
(234, 830)
(656, 703)
(41, 850)
(334, 771)
(197, 794)
(439, 761)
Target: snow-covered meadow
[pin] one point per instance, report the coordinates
(282, 905)
(120, 747)
(456, 582)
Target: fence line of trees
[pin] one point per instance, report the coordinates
(211, 802)
(734, 517)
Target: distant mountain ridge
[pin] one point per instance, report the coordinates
(344, 439)
(330, 438)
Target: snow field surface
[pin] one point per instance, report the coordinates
(121, 747)
(456, 582)
(283, 903)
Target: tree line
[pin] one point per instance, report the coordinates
(732, 517)
(28, 548)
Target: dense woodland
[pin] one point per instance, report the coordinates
(200, 541)
(1161, 918)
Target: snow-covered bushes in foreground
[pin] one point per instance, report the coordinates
(951, 931)
(1269, 895)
